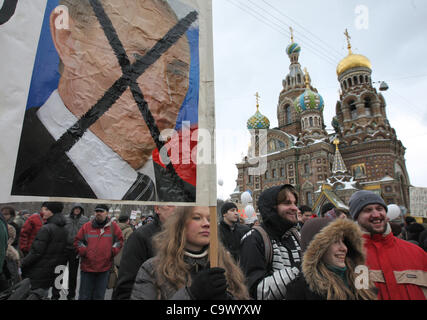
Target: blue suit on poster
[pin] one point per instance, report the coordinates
(44, 83)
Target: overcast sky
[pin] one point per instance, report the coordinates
(250, 38)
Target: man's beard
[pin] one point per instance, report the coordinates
(368, 228)
(100, 219)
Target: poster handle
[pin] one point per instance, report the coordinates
(213, 245)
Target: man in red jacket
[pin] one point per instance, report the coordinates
(29, 231)
(97, 242)
(398, 268)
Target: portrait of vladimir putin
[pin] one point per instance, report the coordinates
(112, 157)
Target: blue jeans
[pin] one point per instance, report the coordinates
(93, 285)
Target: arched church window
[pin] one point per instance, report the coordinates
(298, 78)
(349, 82)
(353, 109)
(288, 117)
(311, 121)
(361, 79)
(368, 106)
(355, 80)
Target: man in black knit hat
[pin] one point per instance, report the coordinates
(230, 230)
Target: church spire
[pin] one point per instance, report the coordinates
(339, 165)
(307, 78)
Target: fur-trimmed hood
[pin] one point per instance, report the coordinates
(318, 277)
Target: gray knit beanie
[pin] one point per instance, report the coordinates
(361, 199)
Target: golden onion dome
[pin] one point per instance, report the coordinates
(353, 61)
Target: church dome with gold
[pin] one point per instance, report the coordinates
(352, 60)
(258, 120)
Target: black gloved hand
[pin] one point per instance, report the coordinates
(209, 284)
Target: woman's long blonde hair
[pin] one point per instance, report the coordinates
(170, 265)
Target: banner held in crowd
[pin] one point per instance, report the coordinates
(107, 100)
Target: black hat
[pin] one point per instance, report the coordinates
(325, 208)
(410, 219)
(227, 206)
(101, 207)
(55, 207)
(123, 217)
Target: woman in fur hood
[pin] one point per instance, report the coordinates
(332, 251)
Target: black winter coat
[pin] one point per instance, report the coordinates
(268, 280)
(46, 253)
(230, 237)
(137, 250)
(299, 290)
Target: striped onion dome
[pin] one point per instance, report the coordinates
(309, 100)
(293, 48)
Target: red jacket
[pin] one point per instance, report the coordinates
(98, 246)
(397, 267)
(29, 231)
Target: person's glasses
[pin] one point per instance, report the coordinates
(99, 210)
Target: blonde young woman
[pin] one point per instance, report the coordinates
(181, 271)
(332, 251)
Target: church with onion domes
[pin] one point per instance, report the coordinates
(363, 152)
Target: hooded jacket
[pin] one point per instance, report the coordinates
(29, 230)
(269, 281)
(97, 245)
(74, 223)
(398, 268)
(318, 281)
(46, 253)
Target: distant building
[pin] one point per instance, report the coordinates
(300, 151)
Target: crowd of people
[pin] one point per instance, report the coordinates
(291, 253)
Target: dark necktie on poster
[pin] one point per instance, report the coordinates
(142, 189)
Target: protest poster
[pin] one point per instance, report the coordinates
(107, 100)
